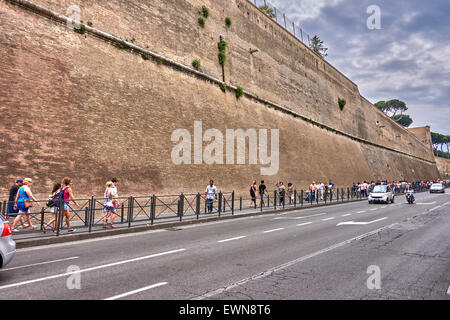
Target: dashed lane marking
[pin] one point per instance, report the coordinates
(273, 230)
(137, 291)
(231, 239)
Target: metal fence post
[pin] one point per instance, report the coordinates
(275, 199)
(301, 197)
(219, 209)
(91, 204)
(153, 209)
(240, 203)
(181, 206)
(232, 203)
(197, 205)
(295, 197)
(42, 218)
(59, 216)
(130, 210)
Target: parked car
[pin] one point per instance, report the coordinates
(437, 188)
(7, 244)
(381, 193)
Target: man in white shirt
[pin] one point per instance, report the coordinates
(211, 194)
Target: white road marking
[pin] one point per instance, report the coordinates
(361, 212)
(297, 218)
(435, 208)
(89, 269)
(273, 230)
(448, 290)
(359, 223)
(346, 215)
(383, 207)
(39, 263)
(374, 209)
(311, 216)
(332, 218)
(231, 239)
(137, 291)
(426, 202)
(286, 265)
(303, 224)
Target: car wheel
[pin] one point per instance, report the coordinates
(392, 200)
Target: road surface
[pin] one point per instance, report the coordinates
(346, 251)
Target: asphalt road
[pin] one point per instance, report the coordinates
(317, 253)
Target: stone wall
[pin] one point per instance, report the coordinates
(74, 105)
(443, 167)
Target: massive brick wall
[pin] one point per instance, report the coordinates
(443, 167)
(74, 105)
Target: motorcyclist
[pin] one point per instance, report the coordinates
(410, 194)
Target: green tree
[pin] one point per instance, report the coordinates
(403, 119)
(392, 107)
(268, 11)
(316, 45)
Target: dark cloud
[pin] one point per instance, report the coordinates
(408, 59)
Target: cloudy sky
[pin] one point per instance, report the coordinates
(407, 59)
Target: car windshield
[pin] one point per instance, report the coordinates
(437, 185)
(379, 189)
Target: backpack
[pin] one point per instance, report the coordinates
(57, 199)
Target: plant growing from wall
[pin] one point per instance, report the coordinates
(81, 29)
(223, 87)
(201, 22)
(89, 23)
(145, 56)
(341, 103)
(268, 11)
(228, 21)
(222, 45)
(205, 11)
(239, 92)
(196, 64)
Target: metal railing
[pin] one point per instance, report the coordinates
(151, 209)
(272, 12)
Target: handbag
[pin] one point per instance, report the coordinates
(28, 203)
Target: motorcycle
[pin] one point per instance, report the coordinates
(410, 197)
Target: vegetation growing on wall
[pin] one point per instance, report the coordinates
(205, 11)
(222, 45)
(341, 103)
(201, 22)
(228, 21)
(268, 11)
(316, 45)
(223, 87)
(239, 92)
(81, 29)
(196, 64)
(145, 56)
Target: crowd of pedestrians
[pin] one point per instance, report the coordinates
(21, 198)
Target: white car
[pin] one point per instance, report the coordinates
(7, 244)
(381, 193)
(437, 188)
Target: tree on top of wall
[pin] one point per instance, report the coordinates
(394, 109)
(403, 119)
(316, 45)
(439, 140)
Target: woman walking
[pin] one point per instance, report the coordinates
(53, 208)
(108, 207)
(67, 196)
(23, 202)
(253, 194)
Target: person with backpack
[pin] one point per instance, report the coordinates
(64, 195)
(51, 204)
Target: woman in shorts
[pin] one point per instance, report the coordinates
(24, 195)
(53, 209)
(108, 206)
(67, 196)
